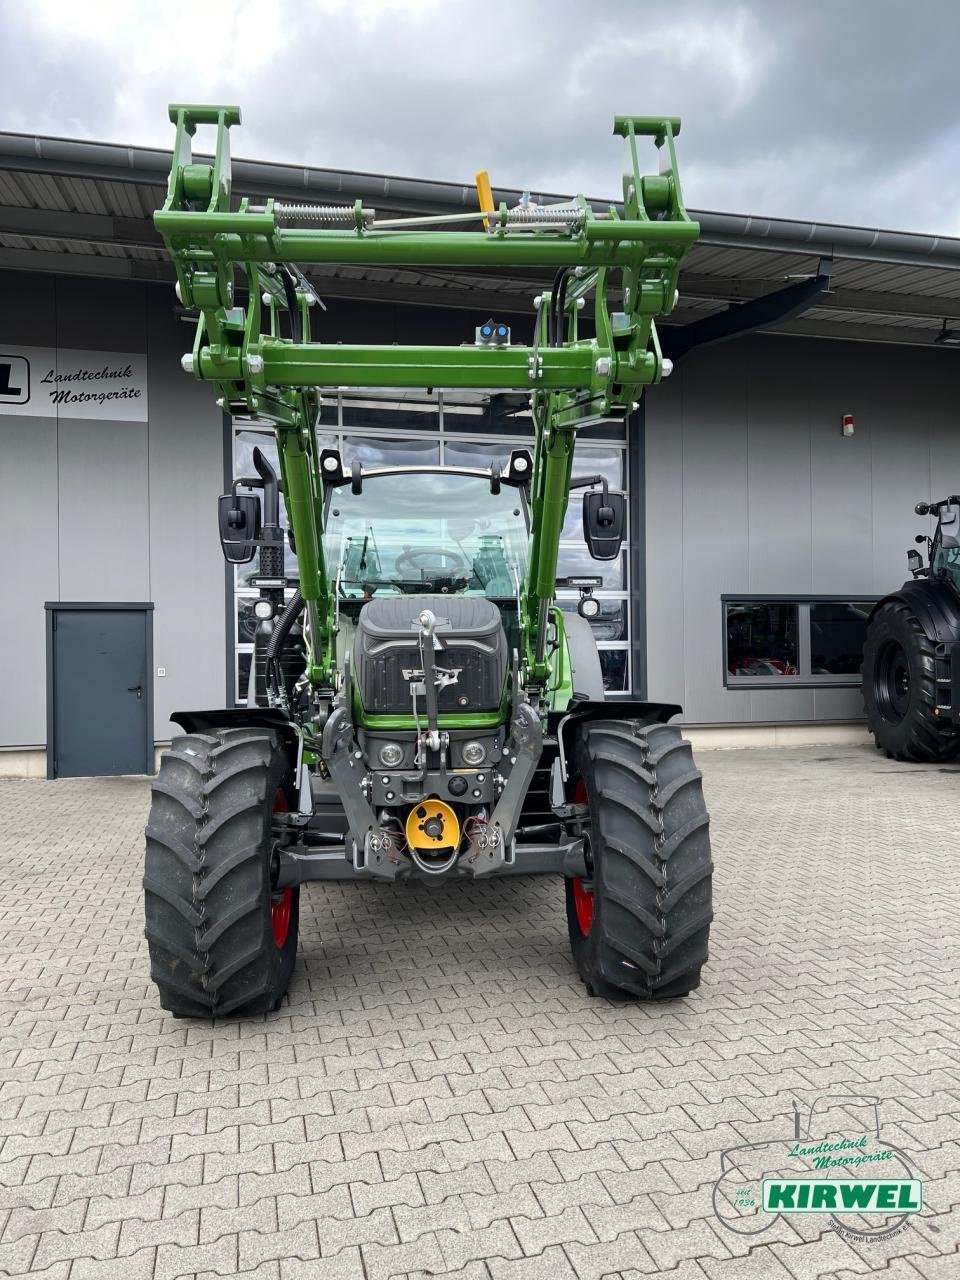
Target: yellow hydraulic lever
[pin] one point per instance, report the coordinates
(485, 195)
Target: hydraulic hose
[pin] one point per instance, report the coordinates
(293, 307)
(558, 301)
(277, 640)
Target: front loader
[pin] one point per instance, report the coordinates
(419, 706)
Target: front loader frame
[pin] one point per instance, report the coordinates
(629, 261)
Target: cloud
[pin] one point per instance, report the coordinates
(840, 112)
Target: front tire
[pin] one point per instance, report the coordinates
(900, 688)
(639, 924)
(220, 939)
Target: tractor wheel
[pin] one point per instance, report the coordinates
(221, 941)
(640, 921)
(900, 688)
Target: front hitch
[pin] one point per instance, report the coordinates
(371, 849)
(492, 847)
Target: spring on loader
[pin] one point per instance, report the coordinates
(531, 214)
(341, 215)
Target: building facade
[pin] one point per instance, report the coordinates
(761, 529)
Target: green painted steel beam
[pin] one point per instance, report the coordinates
(517, 368)
(254, 237)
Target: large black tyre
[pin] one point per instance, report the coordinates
(640, 925)
(900, 688)
(220, 940)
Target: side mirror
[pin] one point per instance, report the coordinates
(604, 523)
(915, 562)
(239, 518)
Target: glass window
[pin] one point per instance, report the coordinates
(246, 622)
(243, 675)
(398, 411)
(804, 641)
(246, 441)
(762, 638)
(377, 451)
(501, 414)
(464, 453)
(837, 632)
(426, 531)
(613, 664)
(576, 561)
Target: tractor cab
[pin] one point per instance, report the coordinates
(945, 547)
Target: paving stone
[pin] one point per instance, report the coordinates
(439, 1097)
(608, 1257)
(551, 1264)
(382, 1262)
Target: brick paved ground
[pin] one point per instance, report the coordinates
(440, 1097)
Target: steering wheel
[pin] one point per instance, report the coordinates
(411, 558)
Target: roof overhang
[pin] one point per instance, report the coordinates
(85, 208)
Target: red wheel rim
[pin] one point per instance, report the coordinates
(281, 905)
(583, 905)
(582, 896)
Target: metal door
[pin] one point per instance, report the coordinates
(99, 689)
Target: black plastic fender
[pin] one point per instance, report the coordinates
(240, 718)
(935, 606)
(584, 657)
(564, 723)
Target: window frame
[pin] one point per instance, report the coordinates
(805, 678)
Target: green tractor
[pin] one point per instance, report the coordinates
(420, 706)
(911, 655)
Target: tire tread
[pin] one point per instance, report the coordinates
(206, 880)
(652, 872)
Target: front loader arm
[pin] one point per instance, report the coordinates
(572, 381)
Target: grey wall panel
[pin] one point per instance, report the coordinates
(775, 499)
(28, 482)
(28, 473)
(663, 511)
(104, 504)
(837, 704)
(778, 482)
(715, 542)
(28, 317)
(842, 501)
(944, 442)
(186, 475)
(776, 705)
(899, 464)
(101, 315)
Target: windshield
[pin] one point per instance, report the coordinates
(423, 531)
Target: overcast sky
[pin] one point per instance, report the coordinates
(843, 111)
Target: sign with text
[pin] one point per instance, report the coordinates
(49, 382)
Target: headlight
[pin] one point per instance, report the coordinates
(588, 607)
(473, 753)
(263, 609)
(391, 754)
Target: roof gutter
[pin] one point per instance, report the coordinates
(110, 162)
